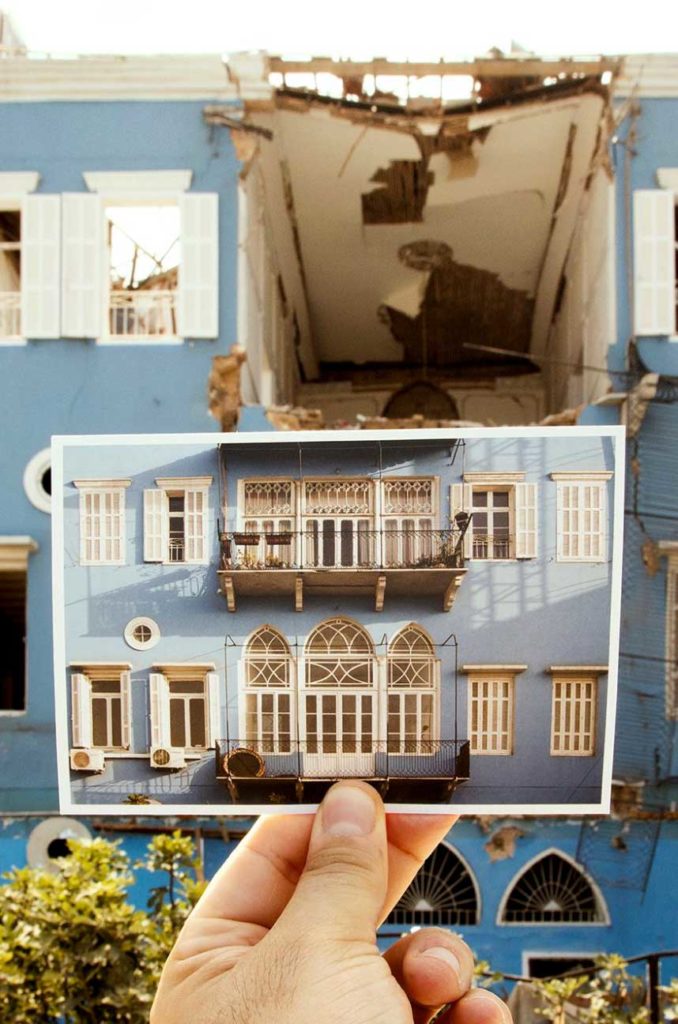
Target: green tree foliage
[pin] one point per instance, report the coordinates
(74, 950)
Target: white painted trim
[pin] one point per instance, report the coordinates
(582, 475)
(12, 342)
(493, 478)
(14, 552)
(15, 184)
(138, 645)
(121, 665)
(105, 484)
(183, 481)
(578, 669)
(491, 669)
(33, 474)
(602, 905)
(110, 339)
(138, 181)
(667, 177)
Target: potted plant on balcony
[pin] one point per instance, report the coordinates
(246, 539)
(283, 537)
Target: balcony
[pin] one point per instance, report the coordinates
(10, 315)
(342, 558)
(142, 314)
(403, 771)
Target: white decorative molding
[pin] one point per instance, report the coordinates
(493, 478)
(582, 474)
(468, 669)
(18, 183)
(33, 474)
(14, 552)
(183, 481)
(93, 484)
(578, 670)
(138, 181)
(667, 177)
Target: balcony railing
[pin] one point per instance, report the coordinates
(10, 314)
(142, 313)
(492, 546)
(325, 758)
(342, 547)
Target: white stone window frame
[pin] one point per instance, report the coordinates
(580, 480)
(579, 689)
(86, 277)
(249, 690)
(654, 247)
(523, 511)
(601, 903)
(157, 519)
(83, 674)
(142, 645)
(161, 675)
(102, 488)
(14, 554)
(487, 674)
(415, 694)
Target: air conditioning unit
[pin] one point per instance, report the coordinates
(86, 760)
(168, 757)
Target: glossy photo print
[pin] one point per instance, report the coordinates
(242, 619)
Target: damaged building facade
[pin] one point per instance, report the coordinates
(377, 259)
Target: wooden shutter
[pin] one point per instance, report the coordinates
(198, 306)
(654, 299)
(40, 266)
(126, 708)
(82, 314)
(155, 525)
(213, 708)
(81, 710)
(160, 710)
(461, 500)
(196, 525)
(526, 520)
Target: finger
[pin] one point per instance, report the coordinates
(478, 1007)
(342, 888)
(433, 967)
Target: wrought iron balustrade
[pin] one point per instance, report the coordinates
(343, 546)
(492, 546)
(142, 313)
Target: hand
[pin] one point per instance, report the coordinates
(285, 932)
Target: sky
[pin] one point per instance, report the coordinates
(358, 29)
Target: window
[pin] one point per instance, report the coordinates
(655, 235)
(672, 638)
(176, 520)
(552, 890)
(100, 707)
(268, 696)
(412, 692)
(504, 516)
(443, 892)
(268, 515)
(38, 480)
(410, 508)
(102, 521)
(10, 274)
(573, 717)
(142, 633)
(338, 522)
(491, 701)
(185, 707)
(581, 516)
(14, 552)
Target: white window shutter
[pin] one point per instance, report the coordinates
(198, 305)
(526, 521)
(82, 265)
(654, 297)
(196, 525)
(213, 708)
(40, 266)
(81, 710)
(155, 525)
(560, 520)
(126, 708)
(160, 710)
(461, 500)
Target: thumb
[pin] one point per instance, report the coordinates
(342, 889)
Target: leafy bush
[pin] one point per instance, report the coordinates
(74, 950)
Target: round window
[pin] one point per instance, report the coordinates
(38, 480)
(142, 633)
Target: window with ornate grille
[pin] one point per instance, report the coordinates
(102, 521)
(410, 511)
(413, 692)
(338, 523)
(573, 718)
(442, 892)
(581, 502)
(552, 890)
(268, 696)
(491, 698)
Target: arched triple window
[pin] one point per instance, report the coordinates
(339, 705)
(552, 890)
(268, 670)
(413, 692)
(443, 892)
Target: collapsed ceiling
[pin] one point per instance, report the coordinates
(427, 237)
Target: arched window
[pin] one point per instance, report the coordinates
(339, 701)
(443, 892)
(552, 890)
(268, 697)
(412, 692)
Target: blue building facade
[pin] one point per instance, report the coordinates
(70, 370)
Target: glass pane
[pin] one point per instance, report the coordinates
(116, 722)
(187, 686)
(500, 499)
(99, 727)
(176, 503)
(328, 542)
(177, 724)
(108, 686)
(479, 499)
(346, 542)
(197, 717)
